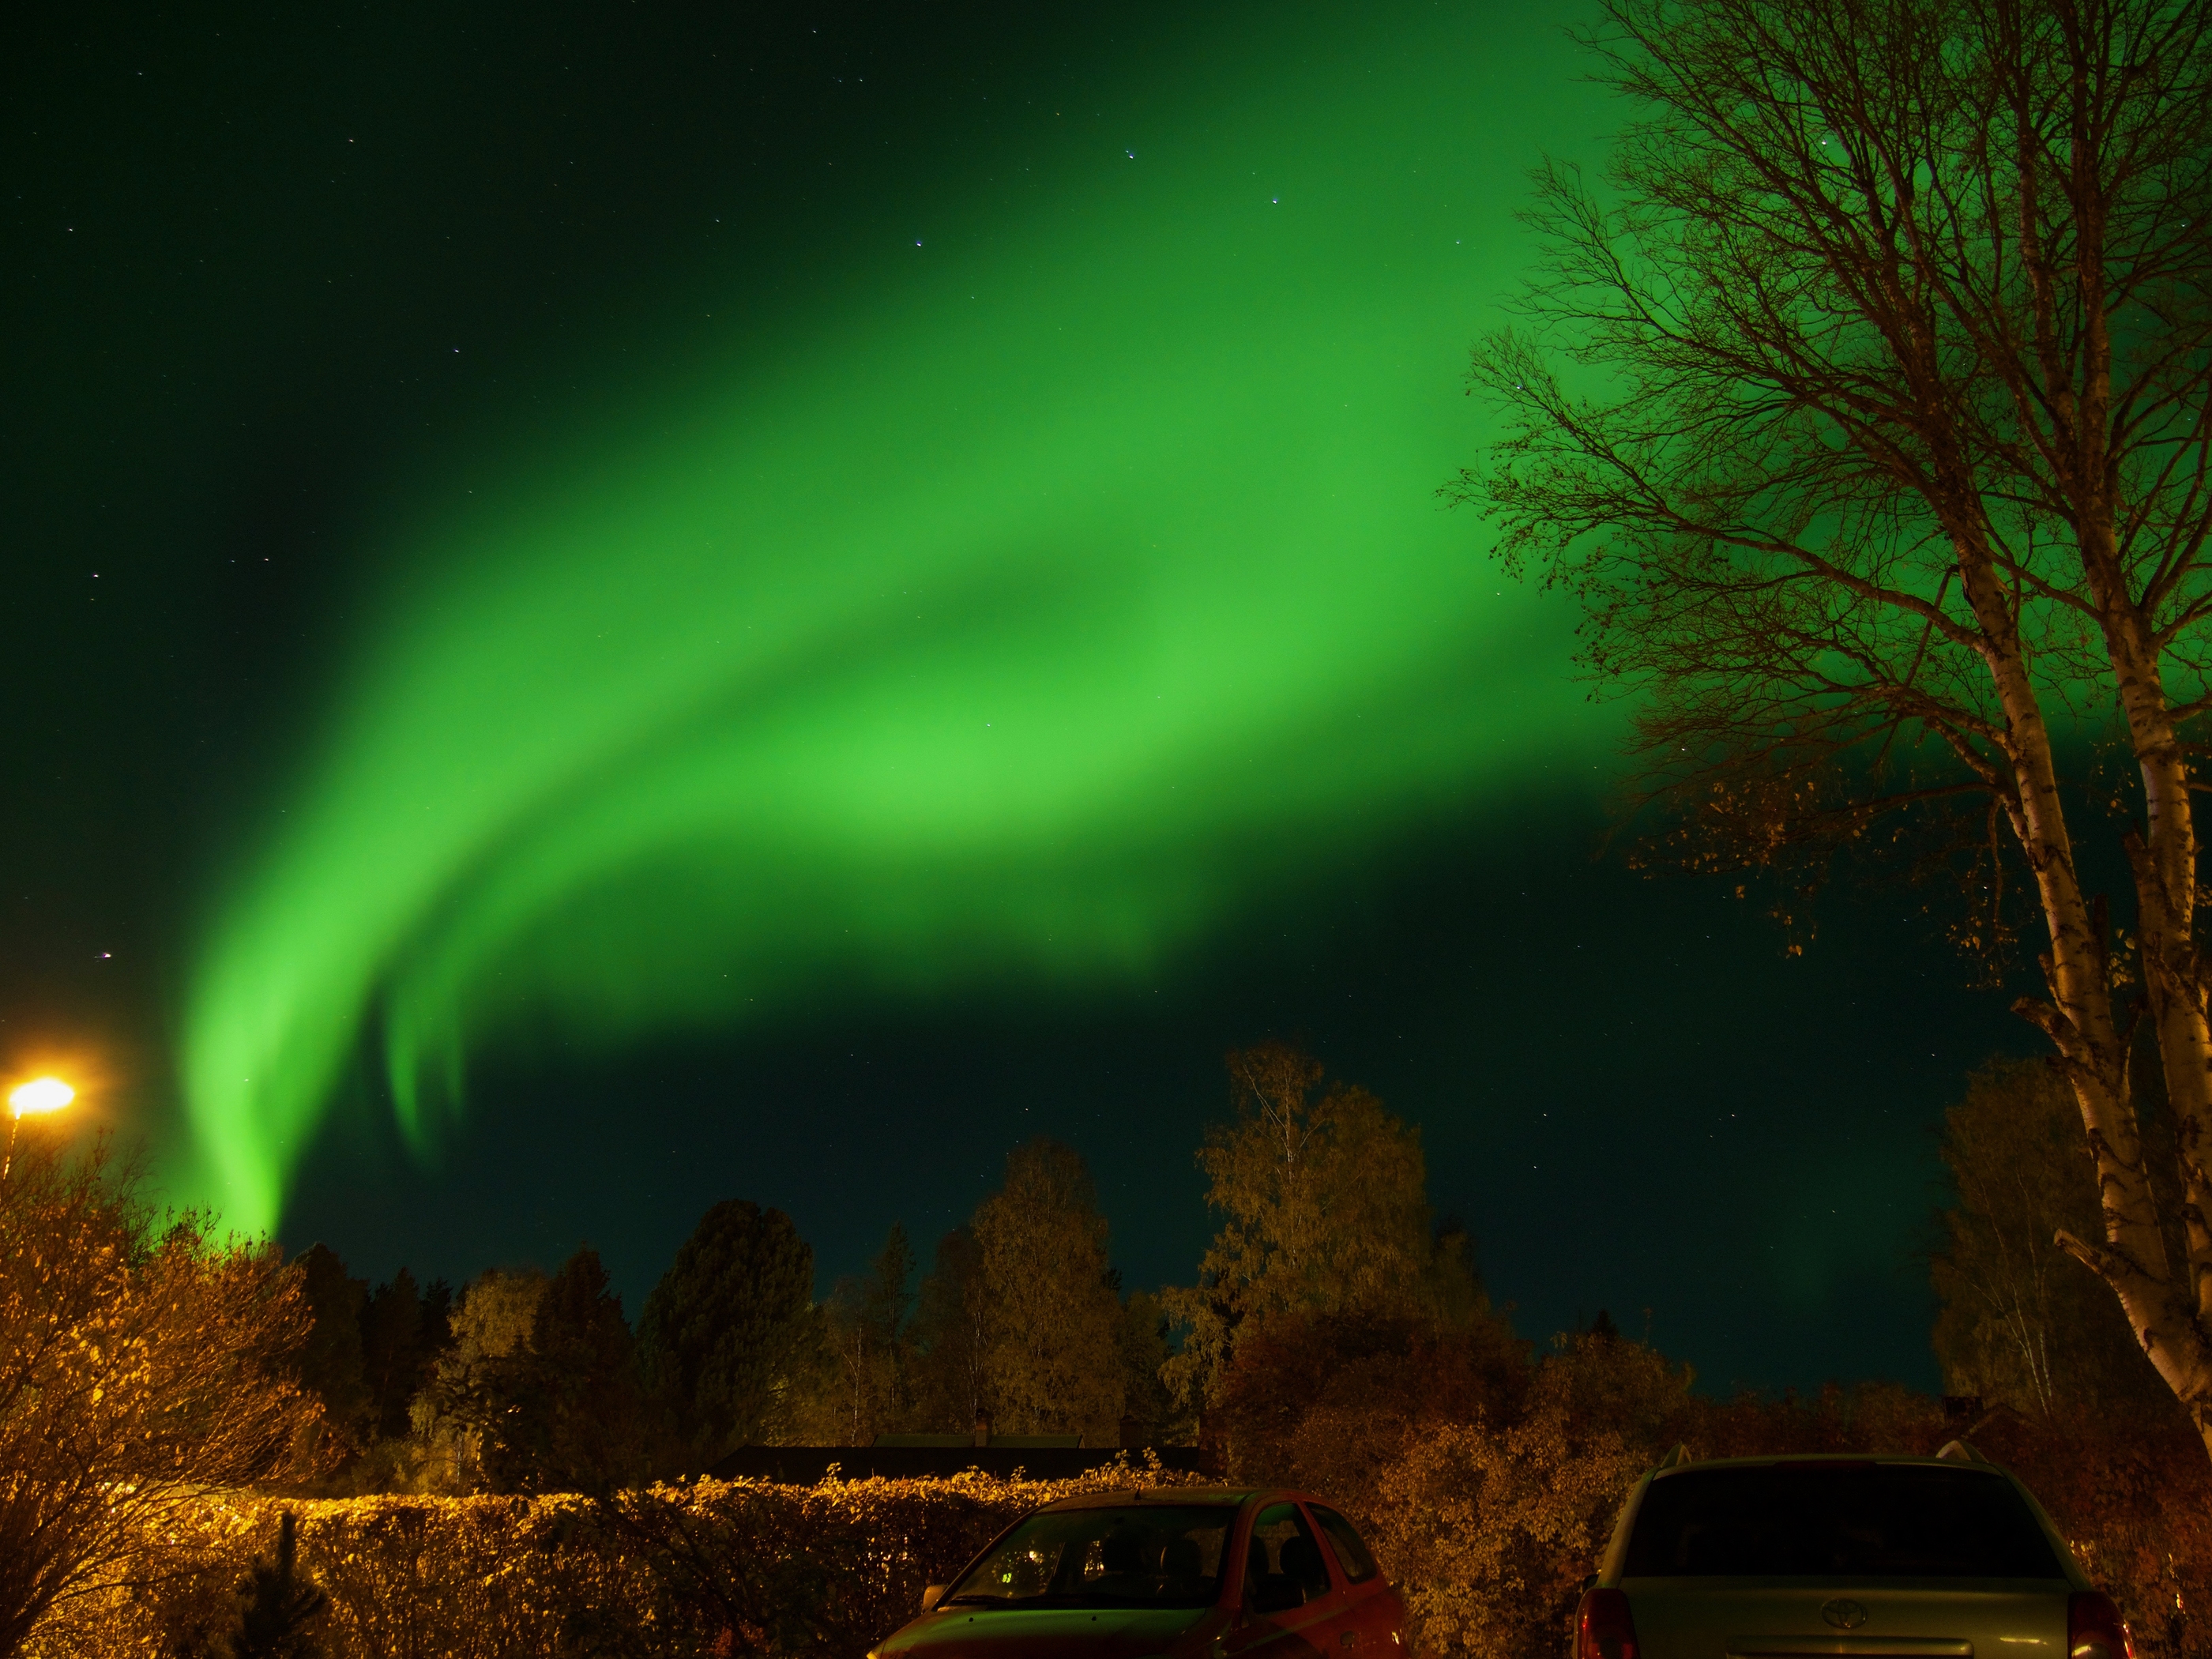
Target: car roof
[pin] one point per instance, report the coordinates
(1799, 1460)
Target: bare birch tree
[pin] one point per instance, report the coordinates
(1864, 403)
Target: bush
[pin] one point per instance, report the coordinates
(143, 1360)
(726, 1567)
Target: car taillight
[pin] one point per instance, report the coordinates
(2094, 1629)
(1603, 1629)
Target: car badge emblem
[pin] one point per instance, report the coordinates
(1843, 1613)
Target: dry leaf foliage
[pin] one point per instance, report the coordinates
(712, 1567)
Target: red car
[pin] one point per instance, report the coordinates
(1174, 1572)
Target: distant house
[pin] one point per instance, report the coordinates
(911, 1457)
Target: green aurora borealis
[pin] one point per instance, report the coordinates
(619, 607)
(1017, 606)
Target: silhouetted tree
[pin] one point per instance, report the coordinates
(403, 1331)
(1142, 1339)
(868, 1330)
(568, 1409)
(890, 1285)
(331, 1362)
(1884, 460)
(278, 1607)
(2019, 1325)
(730, 1338)
(1326, 1400)
(1052, 1346)
(946, 1370)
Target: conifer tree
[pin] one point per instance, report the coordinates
(278, 1607)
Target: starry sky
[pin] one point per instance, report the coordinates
(621, 606)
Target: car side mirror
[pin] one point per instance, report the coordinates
(932, 1597)
(1590, 1583)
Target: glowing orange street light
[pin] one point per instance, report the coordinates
(37, 1097)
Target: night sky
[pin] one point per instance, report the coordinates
(617, 607)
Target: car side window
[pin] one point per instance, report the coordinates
(1283, 1565)
(1351, 1554)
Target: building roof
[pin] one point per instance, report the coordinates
(804, 1465)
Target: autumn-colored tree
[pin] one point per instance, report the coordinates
(140, 1363)
(2019, 1325)
(1881, 459)
(1053, 1351)
(1325, 1200)
(1488, 1529)
(2134, 1504)
(490, 1329)
(493, 1318)
(1494, 1510)
(1326, 1402)
(867, 1320)
(1147, 1403)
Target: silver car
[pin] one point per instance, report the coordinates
(1948, 1557)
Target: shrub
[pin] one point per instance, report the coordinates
(727, 1567)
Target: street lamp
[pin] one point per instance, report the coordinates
(39, 1096)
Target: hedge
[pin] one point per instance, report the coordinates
(723, 1567)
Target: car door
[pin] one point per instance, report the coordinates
(1375, 1614)
(1292, 1604)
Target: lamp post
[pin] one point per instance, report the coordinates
(37, 1097)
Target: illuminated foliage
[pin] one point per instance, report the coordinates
(1486, 1509)
(711, 1566)
(140, 1364)
(1324, 1196)
(1489, 1530)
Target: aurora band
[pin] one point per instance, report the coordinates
(1025, 613)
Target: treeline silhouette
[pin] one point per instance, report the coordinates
(525, 1381)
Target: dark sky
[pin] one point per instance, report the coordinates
(270, 269)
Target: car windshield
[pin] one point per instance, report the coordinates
(1147, 1555)
(1836, 1520)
